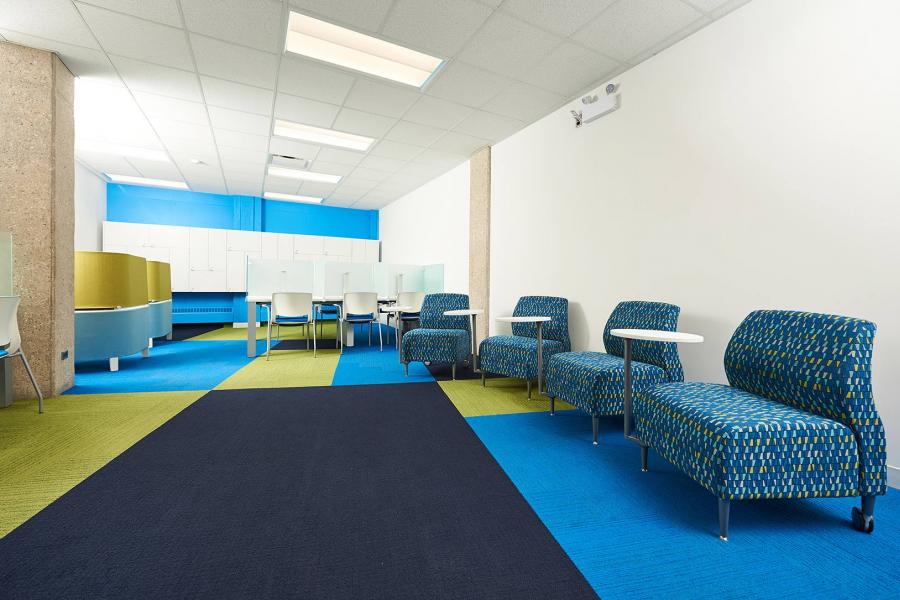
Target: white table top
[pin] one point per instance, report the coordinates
(524, 319)
(320, 299)
(654, 335)
(463, 312)
(397, 309)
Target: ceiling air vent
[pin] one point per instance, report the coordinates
(291, 162)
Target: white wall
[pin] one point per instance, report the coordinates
(431, 225)
(90, 209)
(756, 164)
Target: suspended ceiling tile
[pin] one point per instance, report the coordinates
(627, 28)
(459, 143)
(438, 28)
(354, 14)
(337, 155)
(561, 18)
(137, 38)
(390, 100)
(229, 19)
(161, 11)
(381, 163)
(524, 102)
(489, 125)
(236, 120)
(508, 46)
(237, 139)
(466, 84)
(230, 94)
(50, 19)
(436, 112)
(321, 166)
(286, 147)
(396, 150)
(362, 123)
(146, 77)
(414, 133)
(233, 62)
(570, 69)
(304, 110)
(173, 109)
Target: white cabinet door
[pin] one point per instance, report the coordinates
(207, 281)
(168, 236)
(373, 251)
(236, 271)
(124, 234)
(181, 271)
(338, 247)
(217, 249)
(308, 244)
(243, 241)
(358, 251)
(270, 246)
(158, 254)
(199, 249)
(285, 246)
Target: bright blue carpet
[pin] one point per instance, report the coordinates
(655, 535)
(172, 366)
(363, 364)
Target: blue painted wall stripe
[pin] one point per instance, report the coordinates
(138, 204)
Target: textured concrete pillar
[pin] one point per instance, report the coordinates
(37, 166)
(480, 236)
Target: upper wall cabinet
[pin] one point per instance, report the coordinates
(214, 260)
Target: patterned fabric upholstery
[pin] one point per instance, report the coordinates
(742, 446)
(440, 338)
(817, 363)
(595, 382)
(516, 355)
(638, 314)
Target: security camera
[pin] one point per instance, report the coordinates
(577, 115)
(611, 88)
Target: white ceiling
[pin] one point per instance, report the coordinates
(202, 79)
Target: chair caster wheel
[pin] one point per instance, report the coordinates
(862, 522)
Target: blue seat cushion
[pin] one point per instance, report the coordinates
(595, 381)
(742, 446)
(514, 355)
(436, 345)
(360, 317)
(409, 316)
(286, 320)
(3, 352)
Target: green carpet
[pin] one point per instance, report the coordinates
(229, 333)
(44, 456)
(499, 397)
(286, 368)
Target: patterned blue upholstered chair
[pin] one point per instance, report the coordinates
(595, 382)
(439, 338)
(797, 420)
(516, 355)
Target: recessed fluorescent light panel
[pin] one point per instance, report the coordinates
(292, 198)
(118, 150)
(304, 175)
(318, 135)
(163, 183)
(346, 48)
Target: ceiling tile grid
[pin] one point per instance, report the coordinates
(204, 81)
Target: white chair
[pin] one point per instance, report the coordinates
(360, 307)
(11, 341)
(414, 301)
(292, 309)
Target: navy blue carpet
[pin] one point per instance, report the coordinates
(379, 491)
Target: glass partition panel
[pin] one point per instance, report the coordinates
(265, 277)
(433, 278)
(348, 277)
(6, 264)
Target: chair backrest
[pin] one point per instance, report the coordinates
(637, 314)
(543, 306)
(292, 304)
(9, 324)
(361, 303)
(411, 299)
(432, 314)
(818, 363)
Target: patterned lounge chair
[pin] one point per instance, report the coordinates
(797, 420)
(439, 338)
(595, 382)
(516, 355)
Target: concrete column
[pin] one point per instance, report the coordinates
(37, 166)
(480, 237)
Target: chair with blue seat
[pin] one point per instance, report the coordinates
(294, 309)
(439, 338)
(595, 381)
(360, 308)
(408, 317)
(516, 355)
(797, 419)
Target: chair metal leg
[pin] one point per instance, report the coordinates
(370, 333)
(268, 340)
(453, 371)
(380, 342)
(41, 396)
(306, 334)
(483, 378)
(724, 507)
(339, 336)
(528, 382)
(644, 452)
(595, 425)
(552, 405)
(406, 368)
(314, 339)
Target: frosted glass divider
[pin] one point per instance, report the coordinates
(348, 277)
(265, 277)
(433, 278)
